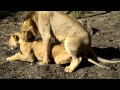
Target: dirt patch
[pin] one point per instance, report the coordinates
(105, 42)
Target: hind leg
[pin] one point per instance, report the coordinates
(63, 58)
(72, 45)
(73, 65)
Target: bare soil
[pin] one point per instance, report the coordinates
(105, 42)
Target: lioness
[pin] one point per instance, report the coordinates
(62, 27)
(34, 49)
(31, 49)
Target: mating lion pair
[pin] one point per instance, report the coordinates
(31, 50)
(63, 28)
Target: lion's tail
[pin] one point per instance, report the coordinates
(101, 59)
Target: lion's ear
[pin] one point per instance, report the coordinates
(16, 37)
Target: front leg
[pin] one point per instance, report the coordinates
(46, 36)
(19, 56)
(14, 57)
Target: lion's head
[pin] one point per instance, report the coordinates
(14, 41)
(28, 29)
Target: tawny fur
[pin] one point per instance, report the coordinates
(62, 27)
(29, 49)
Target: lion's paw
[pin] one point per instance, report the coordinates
(43, 63)
(9, 59)
(68, 69)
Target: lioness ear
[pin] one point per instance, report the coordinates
(16, 37)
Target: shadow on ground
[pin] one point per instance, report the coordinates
(4, 14)
(106, 53)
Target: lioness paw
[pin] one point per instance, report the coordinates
(43, 63)
(68, 69)
(9, 59)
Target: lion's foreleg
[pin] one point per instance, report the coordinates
(19, 56)
(46, 36)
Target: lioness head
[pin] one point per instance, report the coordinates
(14, 41)
(28, 29)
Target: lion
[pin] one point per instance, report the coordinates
(31, 50)
(25, 53)
(64, 29)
